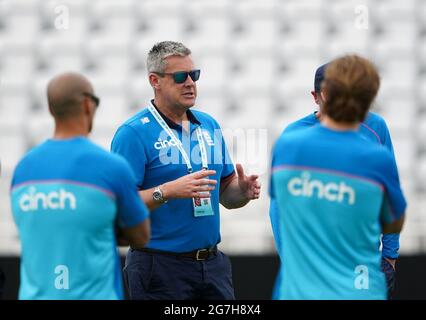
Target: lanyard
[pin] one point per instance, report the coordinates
(178, 143)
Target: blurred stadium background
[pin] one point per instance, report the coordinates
(257, 59)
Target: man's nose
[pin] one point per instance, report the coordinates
(189, 81)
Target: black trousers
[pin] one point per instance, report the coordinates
(2, 283)
(156, 276)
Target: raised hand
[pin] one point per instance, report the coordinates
(249, 185)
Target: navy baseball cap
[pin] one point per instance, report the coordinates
(319, 77)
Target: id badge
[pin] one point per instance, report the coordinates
(202, 207)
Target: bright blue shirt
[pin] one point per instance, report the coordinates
(374, 128)
(155, 161)
(67, 197)
(330, 212)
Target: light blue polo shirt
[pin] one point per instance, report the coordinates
(374, 129)
(67, 197)
(155, 161)
(333, 190)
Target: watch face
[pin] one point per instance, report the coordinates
(156, 195)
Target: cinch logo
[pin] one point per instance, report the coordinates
(55, 200)
(305, 187)
(161, 144)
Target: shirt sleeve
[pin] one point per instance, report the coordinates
(394, 204)
(390, 243)
(128, 144)
(386, 138)
(131, 209)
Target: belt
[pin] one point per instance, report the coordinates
(199, 255)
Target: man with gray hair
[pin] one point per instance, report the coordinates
(183, 171)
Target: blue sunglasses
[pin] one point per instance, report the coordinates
(181, 76)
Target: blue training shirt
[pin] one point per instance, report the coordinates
(333, 190)
(67, 196)
(374, 129)
(155, 161)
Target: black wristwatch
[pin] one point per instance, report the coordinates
(157, 196)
